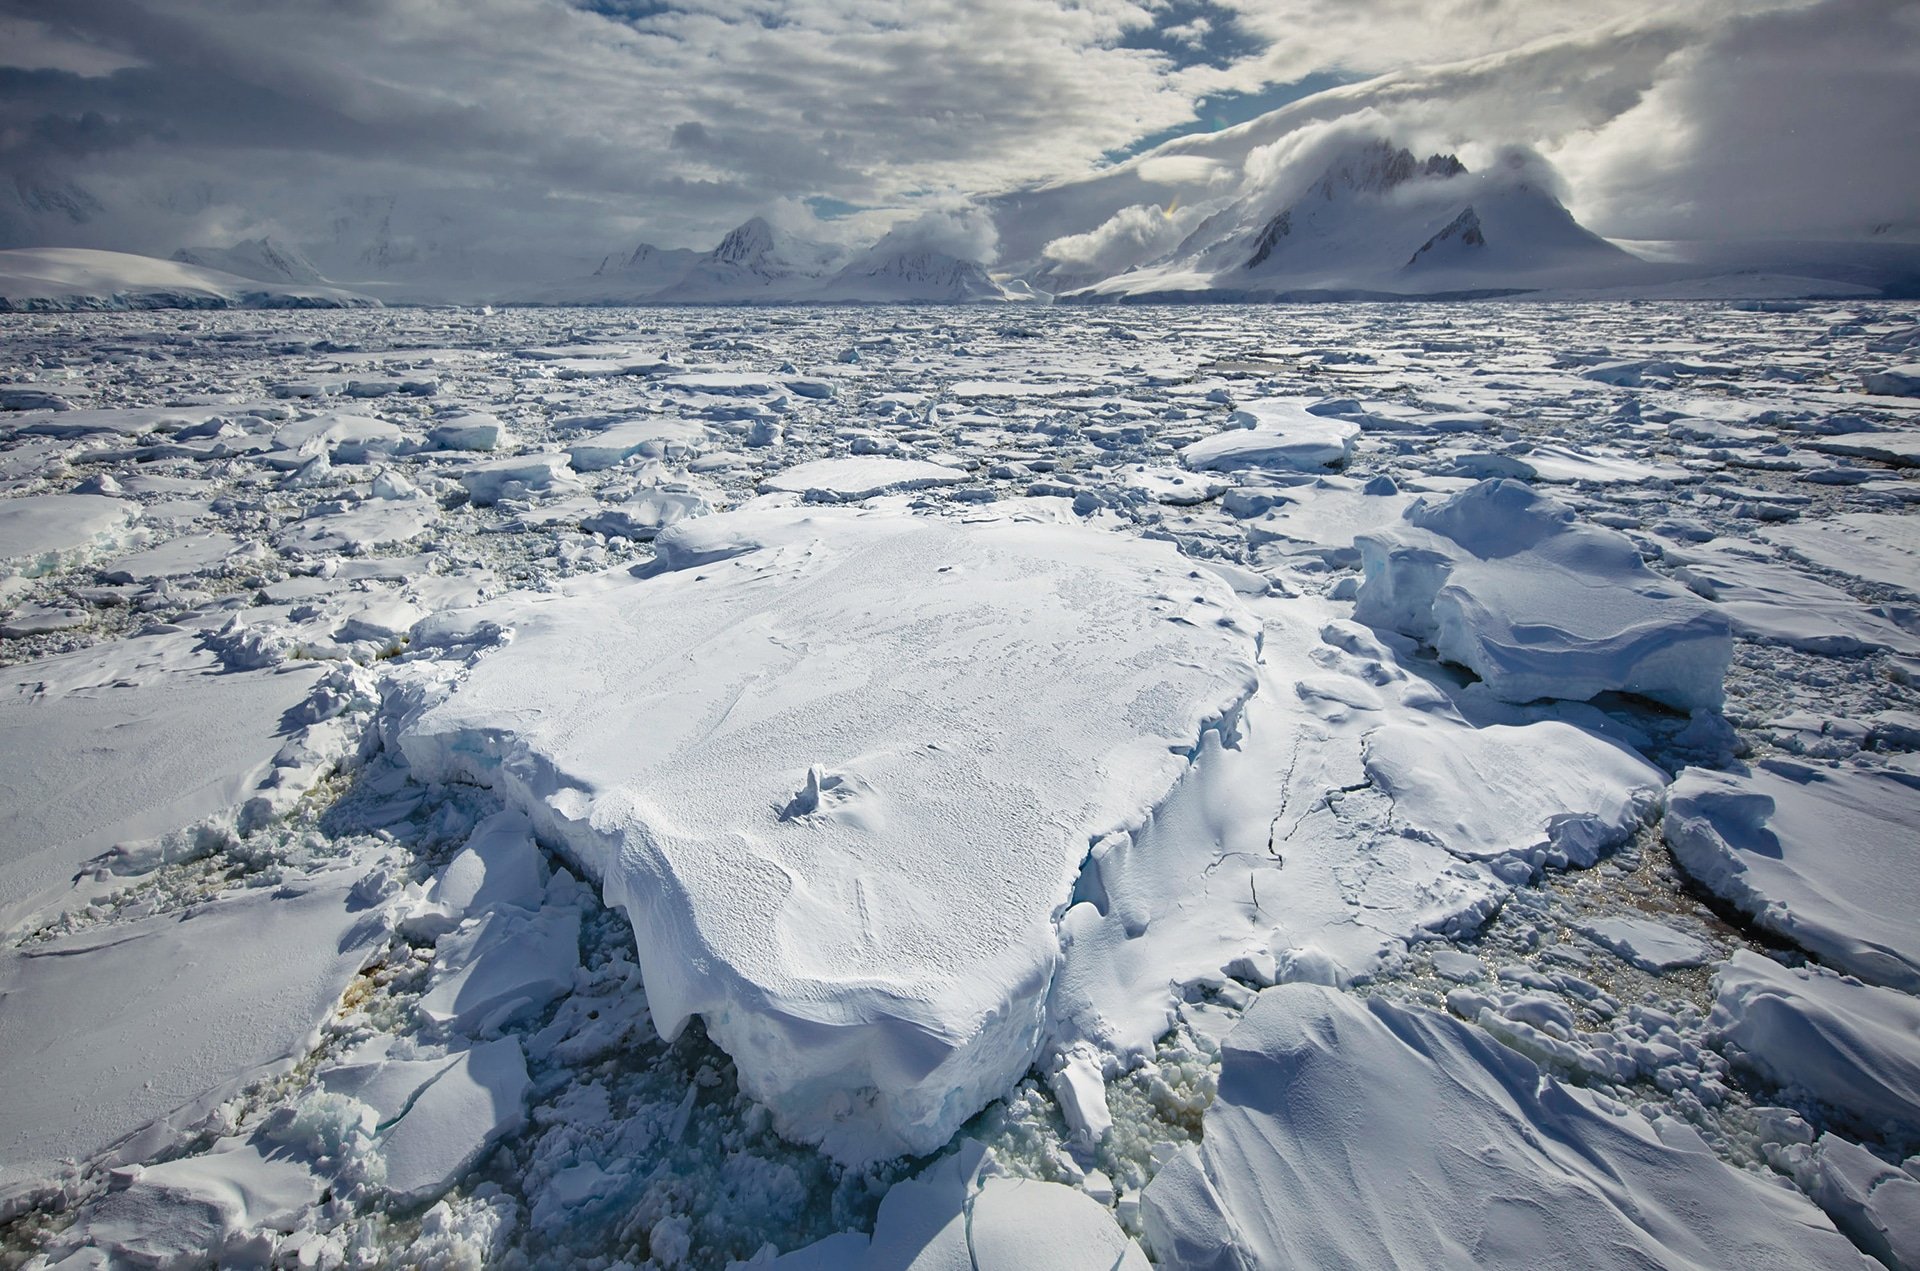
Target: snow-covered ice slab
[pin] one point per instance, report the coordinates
(1351, 1133)
(1851, 1045)
(1276, 433)
(1501, 580)
(1520, 806)
(1649, 945)
(1829, 858)
(37, 531)
(107, 1029)
(842, 770)
(92, 753)
(1878, 547)
(1769, 600)
(950, 1216)
(861, 477)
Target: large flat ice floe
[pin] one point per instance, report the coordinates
(1504, 582)
(842, 771)
(1351, 1133)
(1822, 856)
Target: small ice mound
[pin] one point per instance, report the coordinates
(1825, 857)
(1330, 1104)
(41, 532)
(1853, 1046)
(1277, 432)
(1893, 381)
(852, 479)
(1518, 785)
(648, 512)
(341, 436)
(518, 478)
(1502, 581)
(472, 431)
(957, 1213)
(656, 438)
(842, 771)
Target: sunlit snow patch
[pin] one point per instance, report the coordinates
(842, 770)
(1503, 581)
(1432, 1145)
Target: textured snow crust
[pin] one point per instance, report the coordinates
(841, 772)
(1439, 1147)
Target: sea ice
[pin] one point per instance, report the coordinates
(1503, 581)
(1329, 1104)
(1878, 547)
(852, 479)
(112, 1027)
(841, 770)
(1851, 1045)
(1825, 857)
(38, 531)
(1276, 433)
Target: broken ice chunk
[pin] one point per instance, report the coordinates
(1276, 433)
(1329, 1103)
(454, 1118)
(1649, 945)
(1502, 581)
(1825, 857)
(502, 965)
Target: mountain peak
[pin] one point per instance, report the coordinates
(746, 244)
(1378, 166)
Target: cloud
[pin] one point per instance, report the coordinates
(1779, 124)
(448, 129)
(1132, 236)
(965, 233)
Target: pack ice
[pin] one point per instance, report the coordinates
(841, 769)
(1352, 1133)
(1503, 581)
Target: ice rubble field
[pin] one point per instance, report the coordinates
(1337, 786)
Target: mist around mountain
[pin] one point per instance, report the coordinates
(1271, 210)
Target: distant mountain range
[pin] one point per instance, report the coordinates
(1210, 217)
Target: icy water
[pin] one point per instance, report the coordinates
(218, 557)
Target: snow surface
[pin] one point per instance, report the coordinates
(1822, 857)
(461, 1060)
(833, 704)
(1328, 1105)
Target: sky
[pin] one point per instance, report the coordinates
(572, 129)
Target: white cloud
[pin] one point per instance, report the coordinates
(499, 123)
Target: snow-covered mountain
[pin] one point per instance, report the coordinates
(630, 279)
(911, 274)
(1378, 219)
(263, 258)
(754, 264)
(66, 278)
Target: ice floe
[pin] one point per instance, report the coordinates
(1329, 1104)
(708, 758)
(1504, 581)
(1824, 857)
